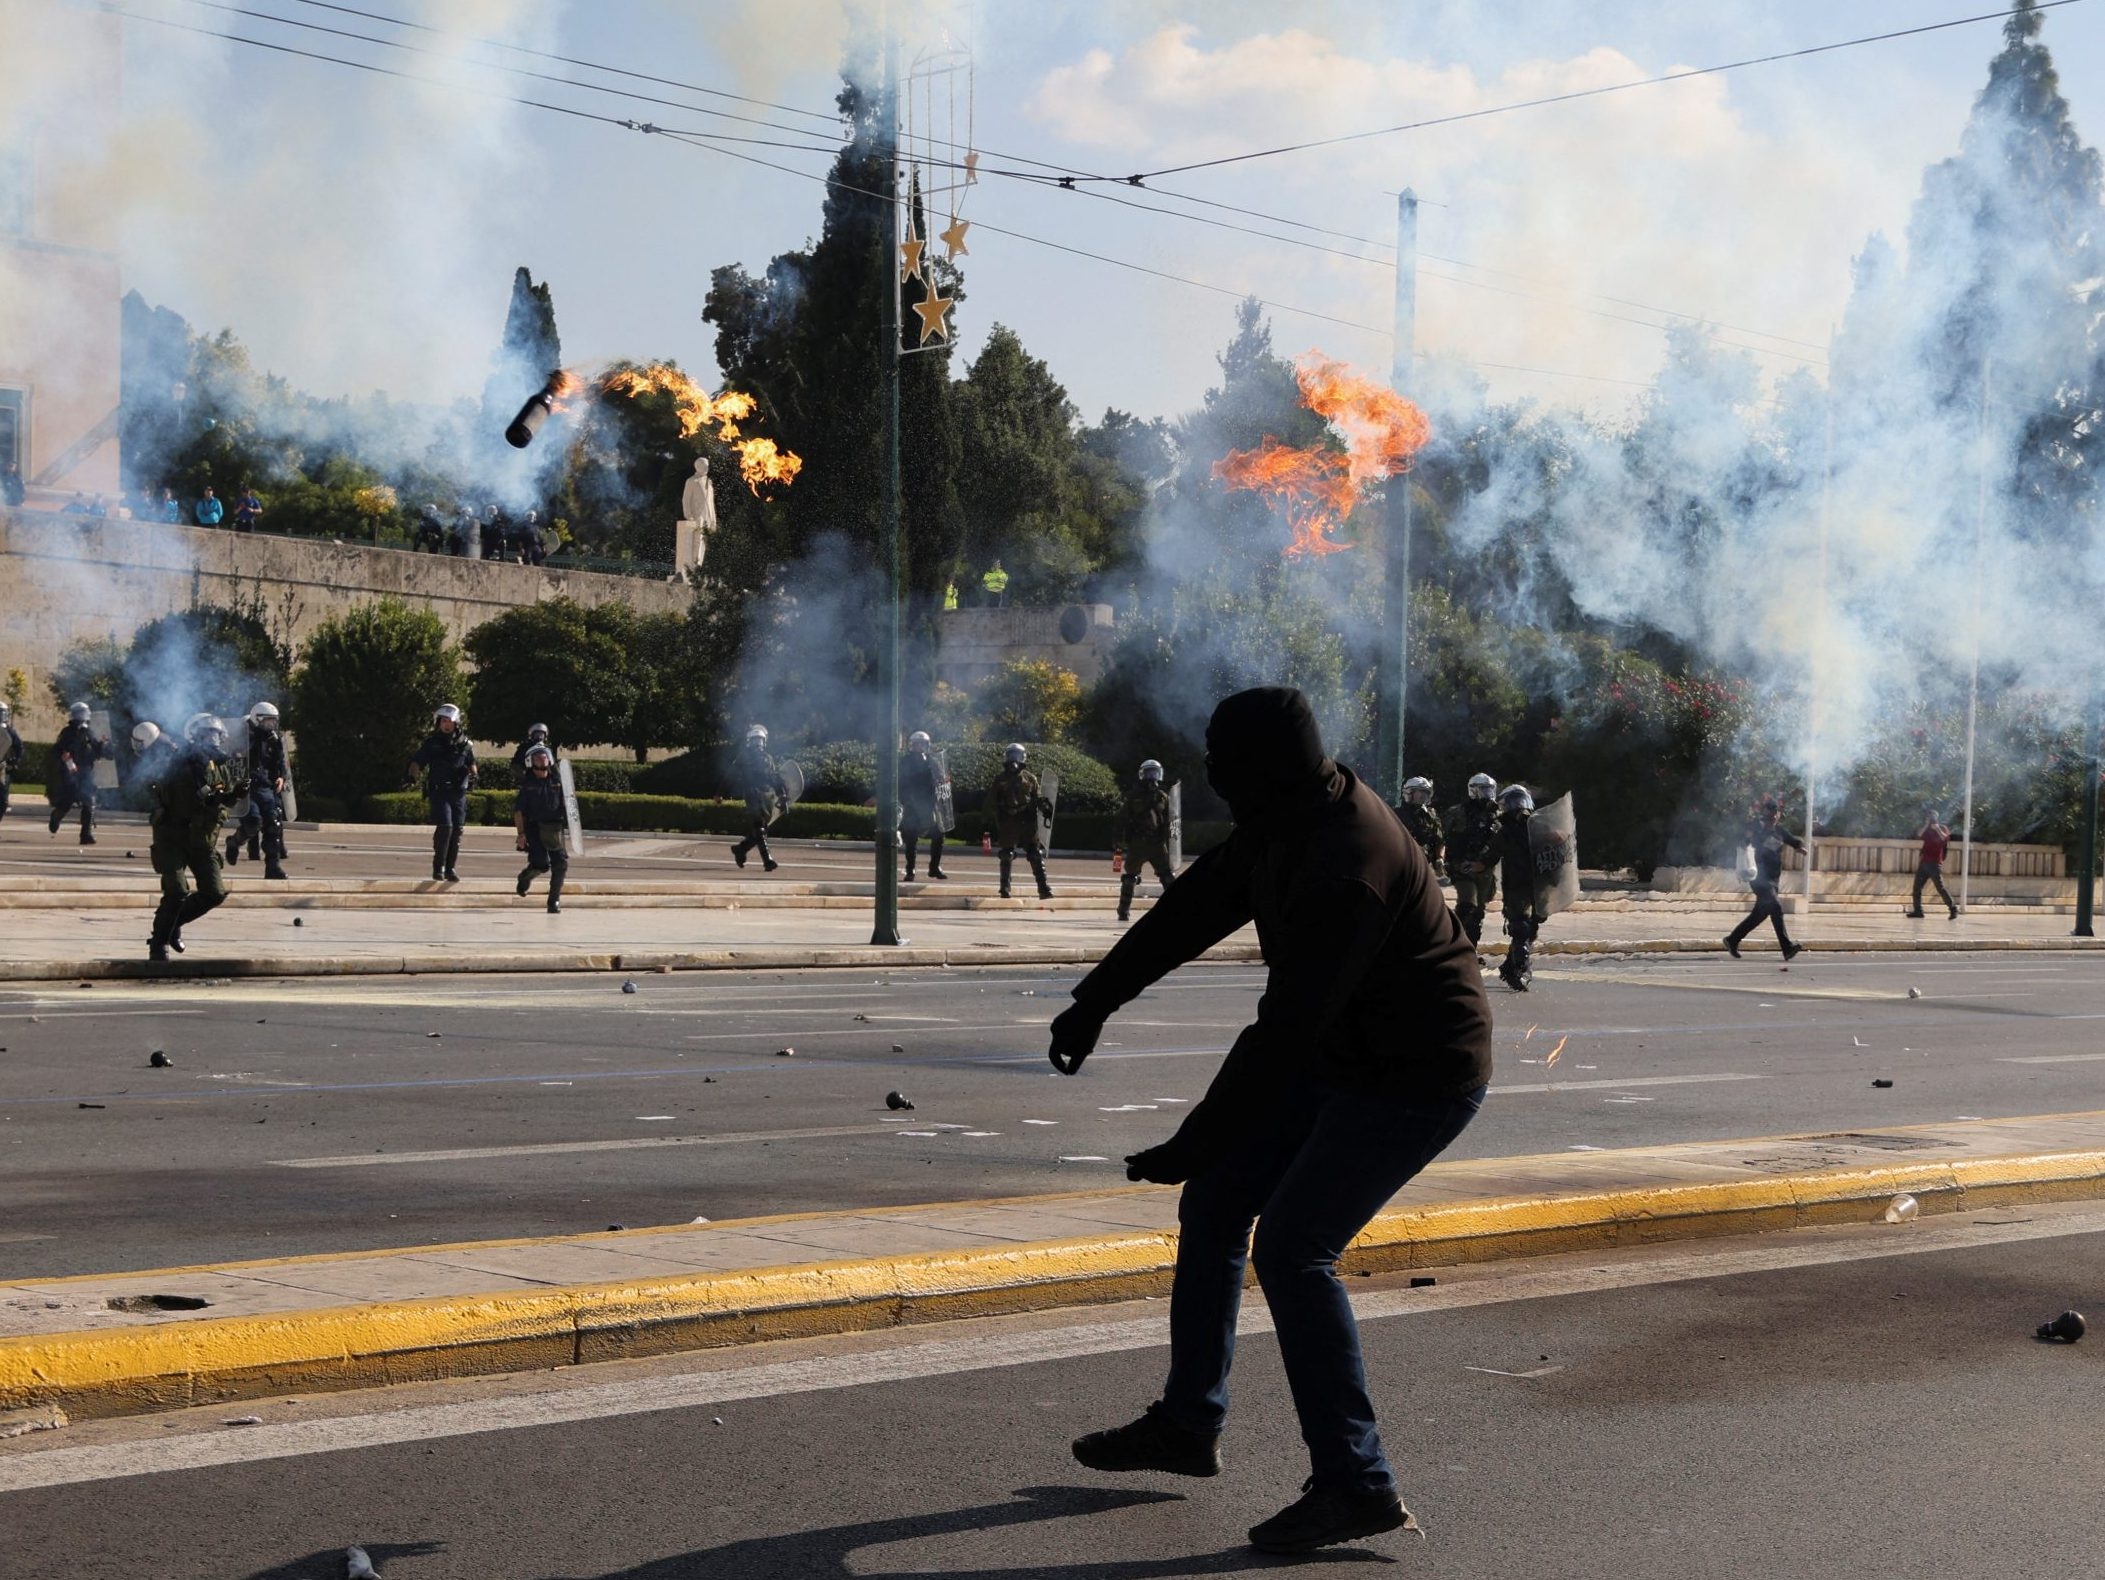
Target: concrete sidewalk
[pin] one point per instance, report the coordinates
(174, 1338)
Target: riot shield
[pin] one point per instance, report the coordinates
(573, 825)
(105, 772)
(1048, 800)
(1176, 827)
(946, 803)
(1553, 840)
(289, 802)
(792, 778)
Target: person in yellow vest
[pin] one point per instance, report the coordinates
(950, 598)
(996, 583)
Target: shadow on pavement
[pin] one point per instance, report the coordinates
(328, 1564)
(827, 1552)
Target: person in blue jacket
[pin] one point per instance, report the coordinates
(210, 512)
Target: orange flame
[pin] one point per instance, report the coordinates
(562, 384)
(759, 460)
(1317, 486)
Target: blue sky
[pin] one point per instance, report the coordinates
(360, 232)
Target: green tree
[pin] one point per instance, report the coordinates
(367, 684)
(556, 662)
(1029, 699)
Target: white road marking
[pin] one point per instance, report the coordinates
(539, 1149)
(972, 1347)
(55, 1013)
(2053, 1058)
(1616, 1086)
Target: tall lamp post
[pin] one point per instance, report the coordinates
(1393, 661)
(884, 927)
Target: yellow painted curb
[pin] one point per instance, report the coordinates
(188, 1362)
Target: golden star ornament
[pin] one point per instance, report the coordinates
(935, 316)
(954, 239)
(910, 260)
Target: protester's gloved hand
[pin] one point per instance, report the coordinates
(1163, 1165)
(1074, 1033)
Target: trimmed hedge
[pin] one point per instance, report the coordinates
(647, 813)
(609, 775)
(35, 767)
(845, 773)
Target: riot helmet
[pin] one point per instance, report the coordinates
(144, 734)
(536, 732)
(1771, 809)
(1151, 772)
(757, 733)
(77, 714)
(204, 730)
(1014, 757)
(1482, 787)
(1417, 791)
(539, 757)
(445, 714)
(918, 741)
(6, 713)
(1515, 798)
(264, 716)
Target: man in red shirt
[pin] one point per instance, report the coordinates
(1936, 839)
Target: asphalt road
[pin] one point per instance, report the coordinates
(324, 1115)
(1866, 1402)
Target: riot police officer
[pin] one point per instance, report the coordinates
(541, 819)
(1018, 804)
(73, 759)
(1523, 909)
(190, 805)
(448, 762)
(536, 735)
(10, 755)
(921, 777)
(760, 782)
(154, 753)
(268, 773)
(1472, 854)
(1143, 834)
(1423, 822)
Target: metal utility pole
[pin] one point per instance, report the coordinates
(885, 923)
(2086, 883)
(1812, 704)
(1973, 688)
(1392, 664)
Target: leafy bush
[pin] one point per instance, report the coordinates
(846, 771)
(1029, 699)
(560, 663)
(611, 775)
(369, 681)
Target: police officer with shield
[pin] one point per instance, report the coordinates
(449, 768)
(1524, 911)
(540, 820)
(268, 774)
(190, 805)
(1472, 854)
(921, 782)
(1018, 805)
(1144, 820)
(760, 782)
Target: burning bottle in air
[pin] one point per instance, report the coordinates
(539, 407)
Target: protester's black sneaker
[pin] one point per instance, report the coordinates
(1732, 946)
(1792, 952)
(1324, 1516)
(1154, 1442)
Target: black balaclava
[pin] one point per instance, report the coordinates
(1262, 751)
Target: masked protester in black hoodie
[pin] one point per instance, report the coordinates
(1370, 1054)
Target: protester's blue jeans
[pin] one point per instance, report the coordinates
(1320, 1167)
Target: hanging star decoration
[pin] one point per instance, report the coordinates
(954, 239)
(972, 168)
(934, 310)
(910, 260)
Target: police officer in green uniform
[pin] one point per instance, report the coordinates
(190, 806)
(1143, 834)
(760, 782)
(1423, 822)
(1017, 805)
(1523, 909)
(1472, 854)
(541, 819)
